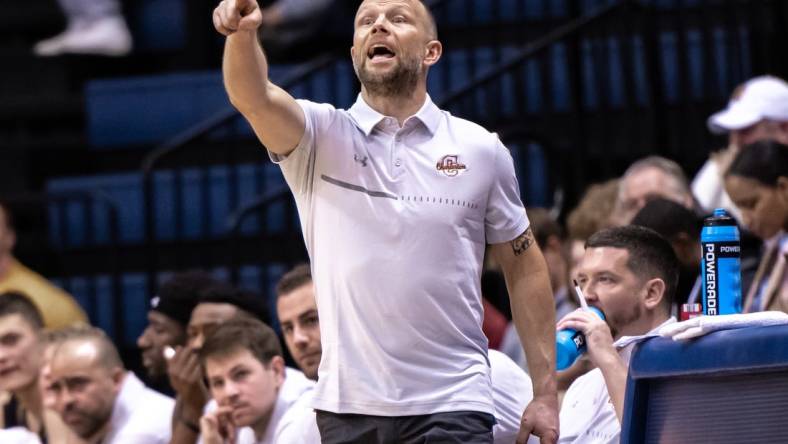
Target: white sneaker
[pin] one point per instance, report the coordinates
(108, 37)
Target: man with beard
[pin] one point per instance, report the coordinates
(167, 320)
(630, 274)
(98, 399)
(397, 200)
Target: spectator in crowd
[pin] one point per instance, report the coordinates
(550, 238)
(217, 304)
(758, 110)
(297, 311)
(645, 179)
(98, 399)
(167, 320)
(591, 215)
(21, 359)
(57, 307)
(512, 389)
(243, 364)
(387, 231)
(93, 27)
(681, 227)
(630, 274)
(757, 181)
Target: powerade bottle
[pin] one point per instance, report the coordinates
(721, 264)
(570, 344)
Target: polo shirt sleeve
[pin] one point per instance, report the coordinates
(505, 217)
(298, 166)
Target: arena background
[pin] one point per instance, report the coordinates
(123, 170)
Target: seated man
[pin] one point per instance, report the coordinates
(57, 307)
(98, 399)
(167, 319)
(21, 346)
(630, 273)
(242, 361)
(297, 311)
(217, 304)
(646, 179)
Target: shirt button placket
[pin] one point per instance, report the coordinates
(396, 148)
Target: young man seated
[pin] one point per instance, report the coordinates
(98, 399)
(630, 273)
(21, 358)
(242, 361)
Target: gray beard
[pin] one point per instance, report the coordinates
(401, 81)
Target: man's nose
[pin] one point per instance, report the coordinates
(142, 341)
(589, 291)
(380, 24)
(230, 390)
(299, 336)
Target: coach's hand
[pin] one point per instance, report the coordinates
(540, 418)
(237, 15)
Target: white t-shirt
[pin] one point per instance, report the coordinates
(140, 415)
(396, 221)
(512, 391)
(587, 413)
(296, 390)
(299, 424)
(18, 435)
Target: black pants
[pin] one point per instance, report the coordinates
(448, 428)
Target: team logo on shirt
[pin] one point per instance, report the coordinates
(360, 159)
(450, 165)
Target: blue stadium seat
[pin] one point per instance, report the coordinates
(73, 229)
(149, 110)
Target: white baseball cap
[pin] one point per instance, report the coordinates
(764, 97)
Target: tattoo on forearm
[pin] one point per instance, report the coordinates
(523, 242)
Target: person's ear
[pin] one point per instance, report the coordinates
(434, 50)
(277, 364)
(117, 375)
(654, 293)
(782, 190)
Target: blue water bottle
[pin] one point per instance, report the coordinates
(721, 264)
(570, 344)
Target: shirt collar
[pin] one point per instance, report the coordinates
(367, 118)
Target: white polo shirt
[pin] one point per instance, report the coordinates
(396, 221)
(140, 415)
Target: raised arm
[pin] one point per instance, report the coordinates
(274, 115)
(533, 310)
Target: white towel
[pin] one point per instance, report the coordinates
(701, 325)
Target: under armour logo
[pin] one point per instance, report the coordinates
(361, 160)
